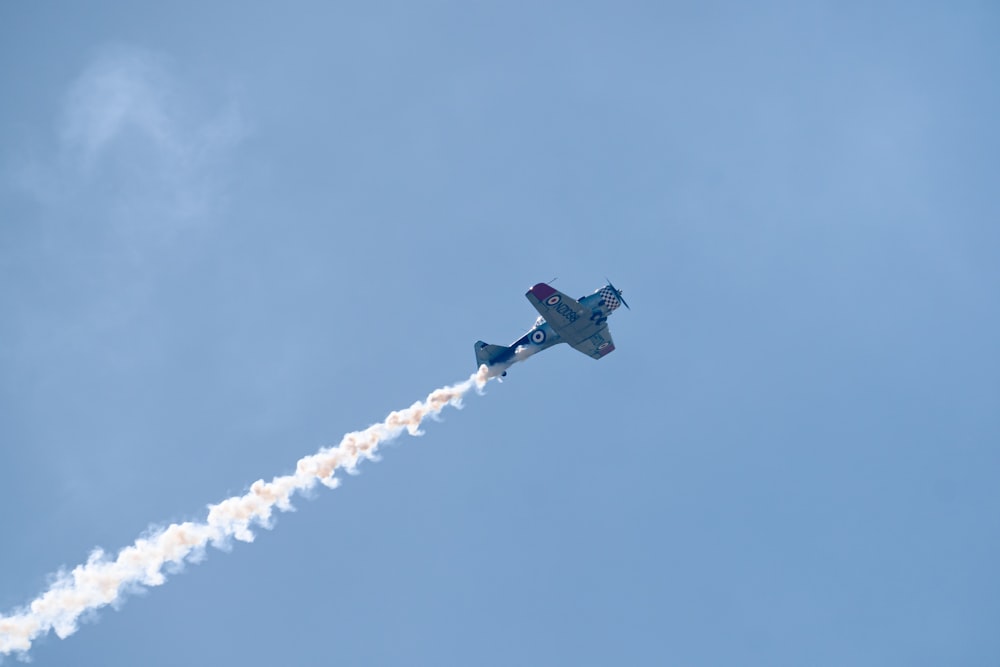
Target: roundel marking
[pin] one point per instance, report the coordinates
(553, 300)
(603, 345)
(538, 337)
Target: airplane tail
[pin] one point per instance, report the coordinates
(489, 354)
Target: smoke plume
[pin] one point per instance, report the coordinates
(103, 580)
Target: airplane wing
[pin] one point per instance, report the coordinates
(559, 310)
(598, 345)
(585, 330)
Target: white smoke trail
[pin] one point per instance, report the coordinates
(103, 581)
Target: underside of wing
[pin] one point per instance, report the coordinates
(562, 312)
(583, 327)
(598, 345)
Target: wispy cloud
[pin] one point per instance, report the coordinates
(117, 91)
(129, 172)
(130, 132)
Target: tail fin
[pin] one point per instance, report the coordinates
(489, 354)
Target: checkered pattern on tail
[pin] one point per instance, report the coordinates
(609, 298)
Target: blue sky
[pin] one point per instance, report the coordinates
(229, 235)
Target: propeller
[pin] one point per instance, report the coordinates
(618, 293)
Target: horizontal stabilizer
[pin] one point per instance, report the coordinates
(490, 354)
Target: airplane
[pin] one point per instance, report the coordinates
(581, 323)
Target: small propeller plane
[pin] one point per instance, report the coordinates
(581, 323)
